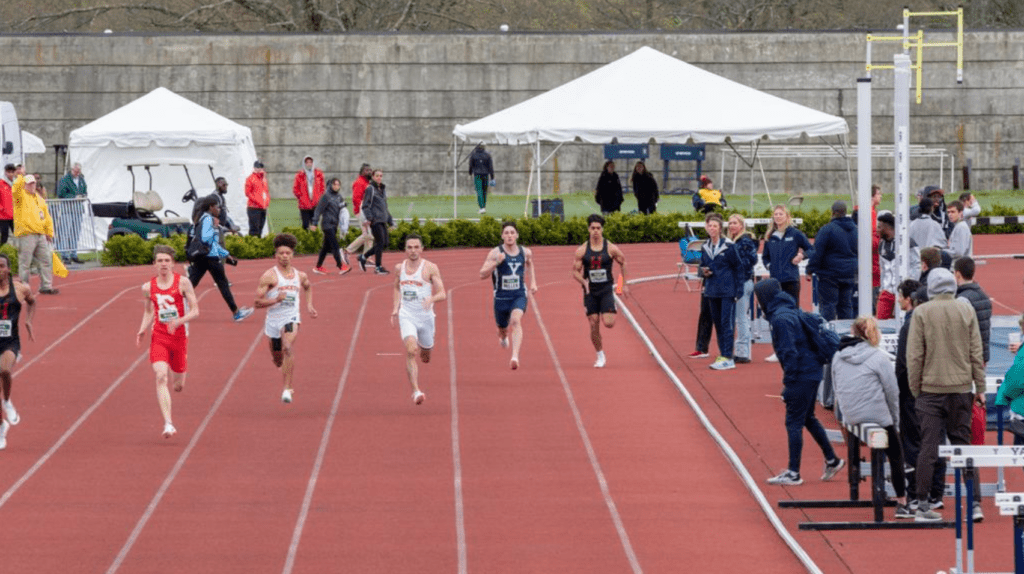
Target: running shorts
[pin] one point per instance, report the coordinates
(503, 309)
(174, 352)
(422, 329)
(601, 302)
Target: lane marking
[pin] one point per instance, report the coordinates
(601, 481)
(460, 522)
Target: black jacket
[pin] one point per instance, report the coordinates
(480, 163)
(645, 188)
(609, 192)
(982, 304)
(329, 209)
(375, 204)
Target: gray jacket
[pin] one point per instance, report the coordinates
(864, 380)
(375, 204)
(329, 208)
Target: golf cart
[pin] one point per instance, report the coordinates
(145, 215)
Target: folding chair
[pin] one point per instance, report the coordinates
(689, 251)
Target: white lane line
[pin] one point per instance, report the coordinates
(71, 430)
(460, 523)
(601, 481)
(181, 460)
(307, 499)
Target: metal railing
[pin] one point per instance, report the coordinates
(73, 226)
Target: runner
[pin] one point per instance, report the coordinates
(506, 266)
(173, 303)
(592, 267)
(279, 293)
(12, 297)
(417, 287)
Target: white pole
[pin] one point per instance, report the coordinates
(455, 177)
(901, 153)
(864, 178)
(536, 160)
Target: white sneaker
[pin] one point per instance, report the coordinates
(722, 363)
(599, 363)
(286, 396)
(772, 359)
(482, 210)
(3, 434)
(169, 430)
(503, 342)
(418, 397)
(12, 413)
(514, 363)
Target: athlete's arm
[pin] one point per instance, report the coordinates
(494, 258)
(191, 303)
(147, 315)
(439, 293)
(397, 299)
(24, 292)
(577, 268)
(532, 269)
(266, 284)
(619, 258)
(307, 286)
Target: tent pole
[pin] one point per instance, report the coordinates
(537, 163)
(455, 177)
(529, 188)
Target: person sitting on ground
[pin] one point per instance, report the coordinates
(707, 198)
(866, 392)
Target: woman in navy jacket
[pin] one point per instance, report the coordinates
(719, 264)
(785, 247)
(746, 249)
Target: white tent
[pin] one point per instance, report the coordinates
(675, 103)
(31, 143)
(157, 126)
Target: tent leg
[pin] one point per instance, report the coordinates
(455, 177)
(529, 188)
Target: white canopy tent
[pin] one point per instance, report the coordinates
(678, 103)
(31, 143)
(158, 125)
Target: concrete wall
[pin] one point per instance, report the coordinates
(392, 100)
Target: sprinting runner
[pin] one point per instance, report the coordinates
(506, 266)
(279, 293)
(12, 297)
(173, 303)
(418, 286)
(592, 267)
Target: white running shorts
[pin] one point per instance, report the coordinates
(422, 329)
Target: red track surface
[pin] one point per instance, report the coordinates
(556, 467)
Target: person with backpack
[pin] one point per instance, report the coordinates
(801, 373)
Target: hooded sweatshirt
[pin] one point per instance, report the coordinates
(309, 186)
(865, 384)
(835, 251)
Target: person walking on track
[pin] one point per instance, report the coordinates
(418, 286)
(506, 265)
(592, 267)
(278, 292)
(13, 296)
(170, 304)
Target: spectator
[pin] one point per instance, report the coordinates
(308, 188)
(257, 197)
(225, 219)
(645, 188)
(801, 374)
(931, 258)
(71, 186)
(34, 229)
(482, 169)
(961, 243)
(886, 266)
(944, 362)
(206, 229)
(922, 232)
(365, 239)
(969, 291)
(718, 265)
(937, 195)
(375, 206)
(866, 392)
(785, 247)
(745, 247)
(328, 211)
(834, 261)
(972, 208)
(1011, 391)
(608, 193)
(6, 203)
(707, 198)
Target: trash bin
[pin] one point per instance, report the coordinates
(552, 206)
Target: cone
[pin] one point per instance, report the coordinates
(58, 267)
(618, 284)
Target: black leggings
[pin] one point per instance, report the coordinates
(704, 325)
(307, 217)
(216, 268)
(330, 246)
(380, 239)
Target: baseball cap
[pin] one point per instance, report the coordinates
(30, 179)
(258, 164)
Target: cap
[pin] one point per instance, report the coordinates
(30, 179)
(258, 164)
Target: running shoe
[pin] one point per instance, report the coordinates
(286, 396)
(786, 478)
(344, 269)
(599, 363)
(381, 271)
(935, 503)
(698, 355)
(926, 515)
(12, 413)
(833, 468)
(242, 314)
(483, 210)
(319, 271)
(503, 342)
(514, 363)
(362, 263)
(418, 397)
(4, 427)
(976, 514)
(722, 364)
(169, 430)
(772, 359)
(904, 511)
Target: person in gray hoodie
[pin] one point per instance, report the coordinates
(328, 211)
(864, 380)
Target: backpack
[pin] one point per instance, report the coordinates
(821, 339)
(690, 256)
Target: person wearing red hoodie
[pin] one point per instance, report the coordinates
(257, 196)
(309, 187)
(365, 239)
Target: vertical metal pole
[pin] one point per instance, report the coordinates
(864, 196)
(901, 151)
(455, 177)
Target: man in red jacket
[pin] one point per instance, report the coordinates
(309, 187)
(257, 196)
(7, 202)
(365, 239)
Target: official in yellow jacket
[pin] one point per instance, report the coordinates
(33, 227)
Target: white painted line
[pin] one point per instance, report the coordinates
(307, 499)
(460, 522)
(390, 354)
(141, 524)
(616, 519)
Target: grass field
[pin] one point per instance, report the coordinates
(284, 213)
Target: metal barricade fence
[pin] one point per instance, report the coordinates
(73, 226)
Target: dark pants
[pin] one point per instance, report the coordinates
(380, 240)
(895, 455)
(722, 316)
(910, 437)
(307, 217)
(792, 288)
(835, 298)
(704, 325)
(257, 219)
(6, 229)
(330, 246)
(216, 268)
(799, 398)
(942, 415)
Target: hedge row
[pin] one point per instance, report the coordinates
(545, 230)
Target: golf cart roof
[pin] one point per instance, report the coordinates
(170, 161)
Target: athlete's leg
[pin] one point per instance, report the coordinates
(515, 325)
(595, 331)
(608, 319)
(424, 355)
(163, 395)
(287, 354)
(411, 347)
(275, 352)
(7, 360)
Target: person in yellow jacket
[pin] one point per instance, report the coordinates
(33, 227)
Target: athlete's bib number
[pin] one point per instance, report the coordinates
(168, 314)
(509, 282)
(409, 296)
(290, 299)
(598, 276)
(6, 326)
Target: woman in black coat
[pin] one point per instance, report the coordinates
(609, 189)
(645, 188)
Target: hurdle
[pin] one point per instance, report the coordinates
(1012, 504)
(875, 437)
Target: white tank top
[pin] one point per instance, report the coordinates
(413, 290)
(287, 310)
